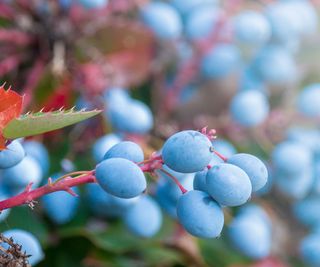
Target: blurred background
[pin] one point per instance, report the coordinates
(249, 69)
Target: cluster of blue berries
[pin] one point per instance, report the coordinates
(259, 45)
(296, 173)
(187, 156)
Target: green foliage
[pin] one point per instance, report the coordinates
(42, 122)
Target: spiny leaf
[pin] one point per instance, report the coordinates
(42, 122)
(10, 108)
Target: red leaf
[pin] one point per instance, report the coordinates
(10, 108)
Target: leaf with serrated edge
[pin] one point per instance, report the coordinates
(42, 122)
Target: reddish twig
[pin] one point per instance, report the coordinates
(155, 162)
(175, 180)
(28, 196)
(219, 155)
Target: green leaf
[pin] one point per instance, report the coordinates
(42, 122)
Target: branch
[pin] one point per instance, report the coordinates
(28, 195)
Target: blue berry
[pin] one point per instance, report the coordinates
(291, 158)
(254, 168)
(102, 145)
(228, 185)
(251, 28)
(221, 61)
(256, 212)
(127, 150)
(200, 215)
(224, 147)
(38, 151)
(144, 218)
(309, 101)
(187, 151)
(135, 117)
(18, 177)
(215, 159)
(168, 193)
(186, 7)
(249, 108)
(201, 22)
(250, 235)
(167, 204)
(121, 177)
(12, 155)
(106, 205)
(199, 182)
(307, 137)
(296, 186)
(92, 4)
(310, 249)
(275, 65)
(172, 190)
(316, 171)
(268, 186)
(83, 103)
(60, 206)
(307, 15)
(249, 80)
(283, 21)
(163, 19)
(116, 97)
(65, 4)
(28, 242)
(305, 210)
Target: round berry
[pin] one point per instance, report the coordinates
(12, 155)
(127, 150)
(144, 218)
(187, 151)
(228, 185)
(200, 215)
(121, 177)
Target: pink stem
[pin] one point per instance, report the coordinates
(28, 195)
(176, 181)
(220, 155)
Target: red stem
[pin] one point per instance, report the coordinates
(220, 155)
(28, 195)
(176, 181)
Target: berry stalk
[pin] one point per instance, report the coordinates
(28, 196)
